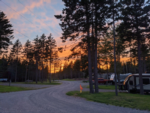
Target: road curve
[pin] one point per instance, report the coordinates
(55, 100)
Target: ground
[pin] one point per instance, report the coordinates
(54, 100)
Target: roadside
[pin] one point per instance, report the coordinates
(31, 85)
(112, 87)
(54, 100)
(135, 101)
(4, 89)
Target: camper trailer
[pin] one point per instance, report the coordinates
(122, 77)
(131, 83)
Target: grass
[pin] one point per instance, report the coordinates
(112, 87)
(135, 101)
(68, 79)
(85, 81)
(4, 89)
(39, 83)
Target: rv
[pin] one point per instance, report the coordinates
(122, 77)
(131, 83)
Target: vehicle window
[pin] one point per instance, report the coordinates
(146, 81)
(131, 82)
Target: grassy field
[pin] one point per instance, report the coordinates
(135, 101)
(39, 83)
(4, 89)
(105, 87)
(68, 79)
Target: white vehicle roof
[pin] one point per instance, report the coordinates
(144, 74)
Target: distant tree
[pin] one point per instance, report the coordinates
(105, 49)
(5, 33)
(70, 66)
(36, 54)
(3, 66)
(15, 51)
(49, 51)
(55, 58)
(42, 42)
(27, 51)
(76, 68)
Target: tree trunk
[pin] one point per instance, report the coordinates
(114, 54)
(50, 73)
(134, 67)
(139, 66)
(71, 73)
(144, 64)
(95, 52)
(16, 71)
(126, 68)
(42, 74)
(36, 70)
(89, 54)
(26, 73)
(107, 73)
(54, 72)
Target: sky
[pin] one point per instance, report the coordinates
(35, 17)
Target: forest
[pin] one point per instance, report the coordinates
(107, 32)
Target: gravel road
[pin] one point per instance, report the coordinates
(55, 100)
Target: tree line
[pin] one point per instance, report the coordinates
(91, 21)
(30, 61)
(96, 23)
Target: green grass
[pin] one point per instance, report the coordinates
(85, 81)
(39, 83)
(135, 101)
(112, 87)
(68, 79)
(4, 89)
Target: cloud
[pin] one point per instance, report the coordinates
(26, 8)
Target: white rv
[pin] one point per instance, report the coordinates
(122, 77)
(131, 83)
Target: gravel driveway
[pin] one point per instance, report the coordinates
(55, 100)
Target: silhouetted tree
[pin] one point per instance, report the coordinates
(5, 33)
(15, 51)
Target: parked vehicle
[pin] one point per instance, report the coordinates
(3, 79)
(122, 77)
(101, 81)
(131, 83)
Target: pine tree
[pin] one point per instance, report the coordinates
(15, 51)
(49, 51)
(80, 17)
(36, 54)
(105, 49)
(5, 33)
(27, 51)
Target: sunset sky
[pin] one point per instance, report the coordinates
(35, 17)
